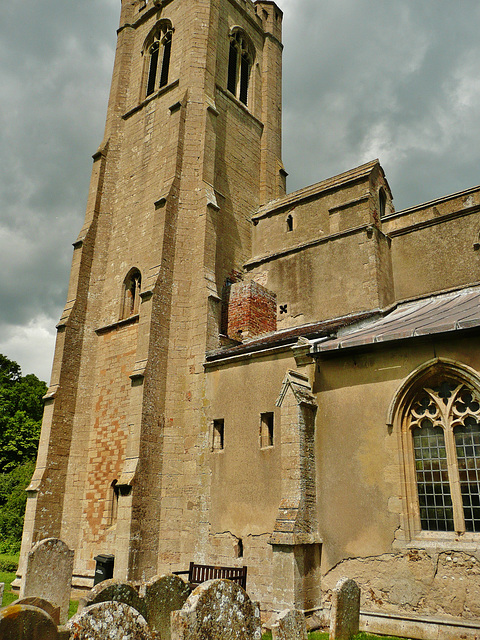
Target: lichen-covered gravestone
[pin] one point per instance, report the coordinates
(104, 620)
(2, 588)
(164, 594)
(114, 590)
(289, 625)
(48, 574)
(217, 610)
(345, 613)
(40, 603)
(24, 622)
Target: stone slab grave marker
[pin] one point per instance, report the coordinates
(106, 620)
(345, 613)
(289, 625)
(2, 589)
(40, 603)
(24, 622)
(113, 590)
(164, 594)
(48, 574)
(217, 610)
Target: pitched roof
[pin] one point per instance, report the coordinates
(441, 313)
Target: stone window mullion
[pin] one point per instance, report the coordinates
(453, 473)
(454, 478)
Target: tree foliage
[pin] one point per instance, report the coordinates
(21, 410)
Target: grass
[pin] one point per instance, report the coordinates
(8, 596)
(8, 565)
(72, 609)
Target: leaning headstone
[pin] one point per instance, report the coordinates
(345, 613)
(109, 620)
(289, 625)
(113, 590)
(2, 589)
(217, 610)
(40, 603)
(164, 594)
(24, 622)
(48, 574)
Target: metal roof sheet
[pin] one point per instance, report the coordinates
(436, 314)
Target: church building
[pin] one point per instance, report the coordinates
(246, 377)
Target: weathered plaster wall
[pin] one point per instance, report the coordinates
(362, 509)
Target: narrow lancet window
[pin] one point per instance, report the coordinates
(240, 62)
(382, 202)
(132, 287)
(159, 53)
(152, 72)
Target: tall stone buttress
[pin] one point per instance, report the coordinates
(192, 148)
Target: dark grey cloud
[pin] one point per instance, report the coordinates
(55, 65)
(394, 79)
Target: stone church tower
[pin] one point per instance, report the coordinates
(191, 150)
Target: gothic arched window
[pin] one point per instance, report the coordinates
(441, 428)
(132, 287)
(158, 60)
(240, 60)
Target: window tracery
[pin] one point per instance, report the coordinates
(240, 61)
(159, 53)
(443, 422)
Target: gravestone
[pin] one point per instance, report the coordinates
(2, 589)
(345, 613)
(109, 620)
(217, 610)
(48, 574)
(113, 590)
(164, 594)
(289, 625)
(24, 622)
(40, 603)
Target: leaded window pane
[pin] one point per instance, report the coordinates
(244, 75)
(232, 68)
(167, 50)
(152, 72)
(435, 500)
(467, 443)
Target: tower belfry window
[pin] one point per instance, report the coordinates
(159, 53)
(240, 61)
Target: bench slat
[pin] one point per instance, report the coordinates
(199, 573)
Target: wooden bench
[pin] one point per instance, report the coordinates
(199, 573)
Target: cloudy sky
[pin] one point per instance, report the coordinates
(393, 79)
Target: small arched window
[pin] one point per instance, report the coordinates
(441, 430)
(240, 61)
(382, 202)
(289, 222)
(132, 287)
(158, 60)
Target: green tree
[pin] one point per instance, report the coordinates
(21, 410)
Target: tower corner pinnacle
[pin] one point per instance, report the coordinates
(271, 16)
